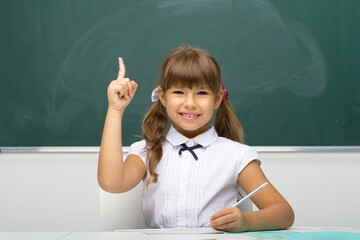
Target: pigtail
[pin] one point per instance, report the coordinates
(154, 126)
(227, 124)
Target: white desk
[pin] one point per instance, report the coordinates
(139, 235)
(114, 236)
(33, 235)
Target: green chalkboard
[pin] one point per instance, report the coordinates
(292, 67)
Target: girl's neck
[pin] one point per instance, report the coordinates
(192, 133)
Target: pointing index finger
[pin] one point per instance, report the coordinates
(122, 69)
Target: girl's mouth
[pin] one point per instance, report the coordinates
(190, 115)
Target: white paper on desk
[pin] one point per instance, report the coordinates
(178, 231)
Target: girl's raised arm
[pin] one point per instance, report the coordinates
(113, 174)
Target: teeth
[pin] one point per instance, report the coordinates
(191, 116)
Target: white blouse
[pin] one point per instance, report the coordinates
(189, 191)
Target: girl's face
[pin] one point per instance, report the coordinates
(190, 109)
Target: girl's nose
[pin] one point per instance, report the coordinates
(189, 100)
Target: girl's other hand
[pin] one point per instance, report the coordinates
(121, 91)
(230, 219)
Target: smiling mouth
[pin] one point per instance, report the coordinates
(190, 116)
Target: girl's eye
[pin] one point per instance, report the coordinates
(178, 92)
(202, 93)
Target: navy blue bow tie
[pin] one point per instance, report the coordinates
(190, 149)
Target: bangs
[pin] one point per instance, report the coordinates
(190, 68)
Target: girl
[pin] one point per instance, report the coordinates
(191, 173)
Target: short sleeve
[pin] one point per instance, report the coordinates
(138, 148)
(247, 155)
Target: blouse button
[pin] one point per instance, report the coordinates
(190, 143)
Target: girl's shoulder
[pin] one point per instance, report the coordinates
(138, 148)
(227, 141)
(138, 145)
(234, 147)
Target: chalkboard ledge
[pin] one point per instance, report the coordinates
(260, 149)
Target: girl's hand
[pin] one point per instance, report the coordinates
(230, 219)
(121, 91)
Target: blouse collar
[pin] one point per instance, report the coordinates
(204, 139)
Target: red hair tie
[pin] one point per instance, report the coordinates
(226, 93)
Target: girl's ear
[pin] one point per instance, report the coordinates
(219, 98)
(162, 96)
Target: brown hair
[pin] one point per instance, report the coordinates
(186, 66)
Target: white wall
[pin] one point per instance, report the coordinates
(59, 191)
(323, 188)
(49, 192)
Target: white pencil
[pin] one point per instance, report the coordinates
(246, 197)
(250, 195)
